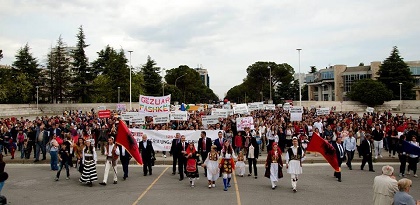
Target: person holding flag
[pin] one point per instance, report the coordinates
(126, 139)
(294, 158)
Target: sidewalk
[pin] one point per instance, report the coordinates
(160, 160)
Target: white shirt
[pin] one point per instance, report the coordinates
(110, 147)
(251, 152)
(319, 126)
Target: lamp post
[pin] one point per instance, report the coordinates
(179, 78)
(130, 79)
(400, 91)
(300, 88)
(118, 94)
(271, 99)
(37, 97)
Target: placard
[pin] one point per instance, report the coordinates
(138, 120)
(222, 113)
(240, 109)
(209, 119)
(243, 122)
(178, 115)
(151, 104)
(129, 115)
(370, 109)
(323, 111)
(120, 107)
(161, 118)
(296, 113)
(255, 106)
(270, 107)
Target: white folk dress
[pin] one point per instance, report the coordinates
(240, 166)
(294, 165)
(212, 164)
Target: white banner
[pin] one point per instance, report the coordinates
(179, 115)
(270, 106)
(151, 104)
(286, 107)
(240, 109)
(296, 113)
(140, 119)
(128, 115)
(162, 139)
(161, 118)
(323, 111)
(223, 113)
(255, 106)
(243, 122)
(209, 119)
(370, 109)
(120, 107)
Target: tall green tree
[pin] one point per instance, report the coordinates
(14, 86)
(369, 92)
(28, 65)
(58, 65)
(394, 71)
(83, 73)
(152, 79)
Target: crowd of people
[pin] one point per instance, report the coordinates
(73, 138)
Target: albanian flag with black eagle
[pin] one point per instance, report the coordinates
(126, 139)
(317, 144)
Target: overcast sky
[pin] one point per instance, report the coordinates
(225, 37)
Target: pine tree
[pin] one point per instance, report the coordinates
(83, 73)
(394, 71)
(152, 79)
(26, 64)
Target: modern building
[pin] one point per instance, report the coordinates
(333, 83)
(204, 76)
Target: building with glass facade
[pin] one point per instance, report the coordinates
(204, 76)
(333, 83)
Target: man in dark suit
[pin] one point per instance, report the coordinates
(147, 154)
(125, 160)
(182, 160)
(219, 141)
(339, 150)
(366, 149)
(204, 147)
(174, 151)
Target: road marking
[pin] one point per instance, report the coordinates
(238, 196)
(151, 185)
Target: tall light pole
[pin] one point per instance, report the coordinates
(271, 99)
(130, 79)
(300, 88)
(118, 94)
(179, 78)
(37, 97)
(400, 91)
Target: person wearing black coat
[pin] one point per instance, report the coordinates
(174, 151)
(366, 149)
(182, 160)
(340, 152)
(125, 160)
(147, 154)
(204, 147)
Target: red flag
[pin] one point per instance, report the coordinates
(126, 139)
(317, 144)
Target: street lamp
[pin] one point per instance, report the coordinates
(118, 94)
(271, 100)
(179, 78)
(300, 88)
(400, 91)
(37, 97)
(130, 79)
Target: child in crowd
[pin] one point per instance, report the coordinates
(63, 157)
(26, 148)
(240, 164)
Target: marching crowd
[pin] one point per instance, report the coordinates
(73, 138)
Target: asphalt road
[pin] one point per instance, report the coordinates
(34, 184)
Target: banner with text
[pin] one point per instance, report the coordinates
(151, 104)
(209, 119)
(162, 139)
(161, 118)
(296, 113)
(179, 115)
(243, 122)
(240, 109)
(222, 113)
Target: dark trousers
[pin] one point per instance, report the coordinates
(367, 158)
(174, 163)
(403, 162)
(124, 162)
(252, 163)
(66, 165)
(147, 167)
(412, 164)
(182, 164)
(350, 156)
(204, 157)
(338, 174)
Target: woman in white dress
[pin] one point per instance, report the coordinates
(240, 164)
(294, 158)
(212, 165)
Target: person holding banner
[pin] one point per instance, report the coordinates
(211, 164)
(192, 158)
(294, 158)
(227, 164)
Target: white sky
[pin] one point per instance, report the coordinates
(225, 37)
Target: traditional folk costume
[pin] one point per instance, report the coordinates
(89, 159)
(240, 164)
(192, 158)
(227, 165)
(273, 166)
(112, 153)
(294, 159)
(212, 165)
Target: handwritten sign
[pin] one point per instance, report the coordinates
(244, 122)
(151, 104)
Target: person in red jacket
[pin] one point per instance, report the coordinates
(238, 143)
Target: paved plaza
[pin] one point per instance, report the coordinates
(34, 184)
